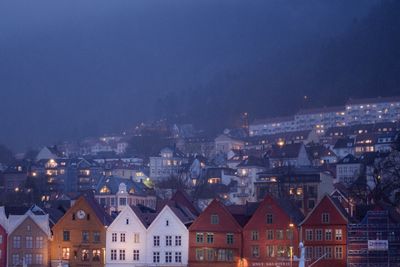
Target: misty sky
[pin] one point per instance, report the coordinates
(70, 69)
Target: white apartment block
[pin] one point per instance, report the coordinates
(169, 163)
(356, 111)
(374, 110)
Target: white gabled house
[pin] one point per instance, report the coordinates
(126, 240)
(168, 238)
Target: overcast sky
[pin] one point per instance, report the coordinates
(70, 69)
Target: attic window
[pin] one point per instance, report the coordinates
(325, 217)
(127, 221)
(214, 219)
(167, 223)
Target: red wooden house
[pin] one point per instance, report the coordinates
(3, 237)
(324, 234)
(271, 236)
(215, 238)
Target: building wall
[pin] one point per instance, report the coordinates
(259, 224)
(126, 223)
(40, 249)
(167, 224)
(316, 247)
(3, 246)
(90, 224)
(226, 225)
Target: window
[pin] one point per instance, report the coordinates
(178, 241)
(328, 252)
(65, 253)
(66, 235)
(254, 235)
(210, 254)
(229, 239)
(168, 257)
(311, 203)
(166, 222)
(1, 239)
(96, 255)
(338, 234)
(85, 236)
(156, 257)
(113, 254)
(39, 259)
(325, 217)
(28, 259)
(168, 240)
(122, 254)
(16, 242)
(96, 237)
(309, 234)
(126, 221)
(85, 255)
(255, 251)
(319, 252)
(283, 251)
(225, 255)
(122, 237)
(309, 252)
(136, 238)
(338, 252)
(269, 218)
(199, 254)
(39, 242)
(178, 257)
(210, 238)
(318, 234)
(156, 241)
(199, 237)
(114, 237)
(289, 234)
(270, 234)
(15, 259)
(122, 201)
(270, 251)
(328, 234)
(136, 255)
(214, 219)
(279, 234)
(28, 242)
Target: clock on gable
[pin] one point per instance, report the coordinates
(80, 214)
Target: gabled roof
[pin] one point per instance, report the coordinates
(344, 143)
(252, 161)
(338, 207)
(100, 213)
(42, 221)
(127, 209)
(113, 183)
(286, 151)
(185, 200)
(217, 206)
(243, 213)
(349, 159)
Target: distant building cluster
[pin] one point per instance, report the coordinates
(328, 179)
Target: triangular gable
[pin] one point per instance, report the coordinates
(127, 211)
(226, 221)
(103, 220)
(262, 210)
(42, 221)
(325, 203)
(166, 209)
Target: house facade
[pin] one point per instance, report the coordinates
(28, 240)
(271, 237)
(215, 238)
(126, 240)
(3, 237)
(324, 234)
(80, 235)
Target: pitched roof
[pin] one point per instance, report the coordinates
(184, 199)
(100, 213)
(42, 221)
(349, 159)
(243, 213)
(113, 183)
(344, 143)
(286, 151)
(321, 110)
(252, 161)
(373, 100)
